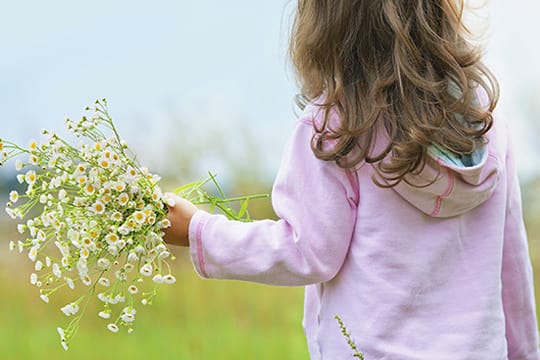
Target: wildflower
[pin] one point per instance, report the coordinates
(104, 314)
(119, 186)
(32, 145)
(133, 289)
(89, 189)
(112, 239)
(30, 177)
(70, 283)
(56, 270)
(32, 254)
(169, 279)
(116, 216)
(165, 223)
(81, 180)
(128, 314)
(62, 195)
(132, 257)
(98, 207)
(84, 253)
(44, 297)
(158, 279)
(103, 263)
(12, 213)
(19, 165)
(164, 254)
(146, 270)
(86, 280)
(12, 245)
(104, 163)
(13, 196)
(33, 278)
(113, 328)
(70, 309)
(129, 267)
(103, 281)
(139, 217)
(120, 275)
(33, 159)
(61, 333)
(38, 265)
(127, 317)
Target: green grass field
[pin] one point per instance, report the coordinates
(192, 319)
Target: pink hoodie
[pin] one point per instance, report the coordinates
(434, 273)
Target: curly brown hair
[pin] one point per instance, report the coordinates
(406, 63)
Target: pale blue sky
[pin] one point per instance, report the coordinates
(212, 63)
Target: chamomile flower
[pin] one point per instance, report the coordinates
(139, 217)
(113, 328)
(112, 239)
(103, 263)
(38, 265)
(169, 279)
(19, 165)
(146, 269)
(30, 177)
(70, 283)
(90, 189)
(13, 196)
(70, 309)
(104, 314)
(86, 280)
(123, 199)
(98, 207)
(103, 281)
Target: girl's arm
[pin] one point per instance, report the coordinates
(517, 279)
(316, 203)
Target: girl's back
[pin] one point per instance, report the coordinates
(433, 272)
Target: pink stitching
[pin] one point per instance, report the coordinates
(438, 203)
(200, 257)
(354, 183)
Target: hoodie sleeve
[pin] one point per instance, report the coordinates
(315, 201)
(517, 278)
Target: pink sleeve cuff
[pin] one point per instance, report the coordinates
(196, 251)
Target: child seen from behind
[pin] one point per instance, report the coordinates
(398, 201)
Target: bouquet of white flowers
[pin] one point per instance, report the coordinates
(97, 220)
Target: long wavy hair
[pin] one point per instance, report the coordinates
(406, 64)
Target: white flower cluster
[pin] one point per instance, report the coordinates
(99, 223)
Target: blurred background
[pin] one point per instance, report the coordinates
(196, 86)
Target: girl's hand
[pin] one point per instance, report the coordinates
(180, 214)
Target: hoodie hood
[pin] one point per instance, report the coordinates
(450, 185)
(457, 188)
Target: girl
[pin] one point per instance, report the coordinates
(397, 195)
